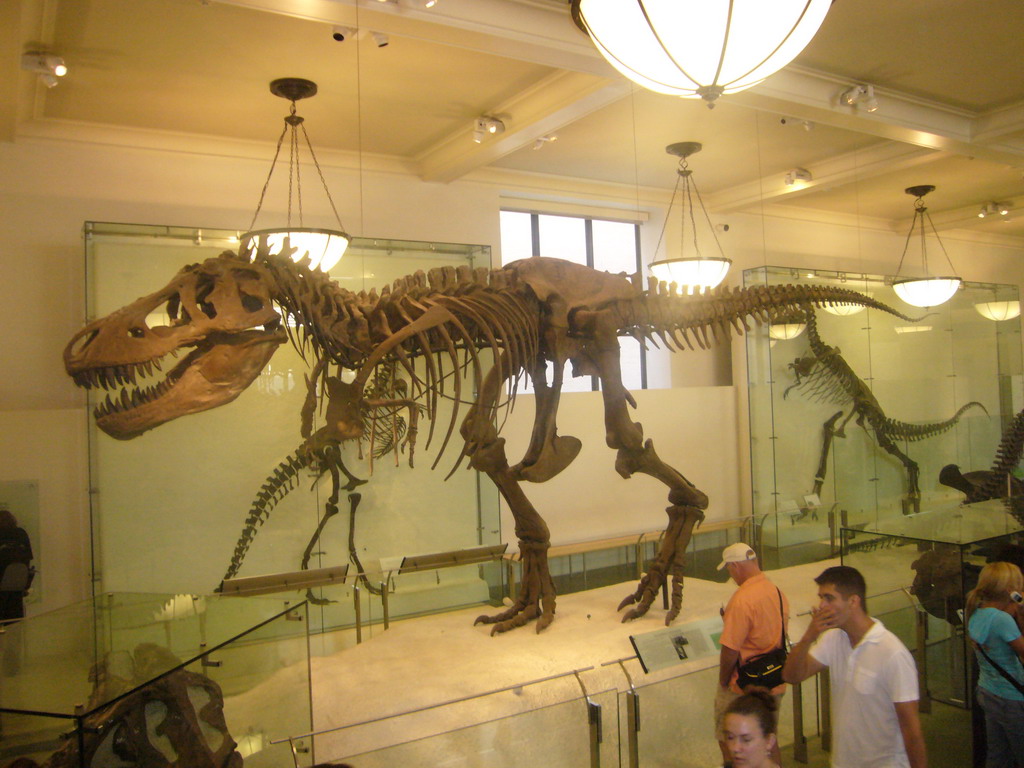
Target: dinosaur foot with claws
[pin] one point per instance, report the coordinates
(669, 562)
(536, 593)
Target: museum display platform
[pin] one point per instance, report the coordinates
(437, 689)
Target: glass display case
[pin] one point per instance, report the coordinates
(78, 679)
(169, 507)
(934, 557)
(845, 411)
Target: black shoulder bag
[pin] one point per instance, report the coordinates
(765, 669)
(1009, 678)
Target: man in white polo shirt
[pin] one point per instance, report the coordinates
(874, 679)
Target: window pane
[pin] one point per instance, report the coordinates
(516, 242)
(569, 383)
(614, 246)
(563, 237)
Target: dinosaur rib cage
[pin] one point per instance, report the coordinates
(423, 323)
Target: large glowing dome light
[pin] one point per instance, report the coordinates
(699, 48)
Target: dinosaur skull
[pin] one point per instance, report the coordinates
(176, 721)
(220, 311)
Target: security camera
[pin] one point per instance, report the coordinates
(341, 34)
(380, 39)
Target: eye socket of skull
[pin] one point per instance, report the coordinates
(251, 303)
(205, 284)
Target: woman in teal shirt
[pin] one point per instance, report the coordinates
(993, 627)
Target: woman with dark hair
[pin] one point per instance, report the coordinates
(749, 728)
(15, 573)
(991, 611)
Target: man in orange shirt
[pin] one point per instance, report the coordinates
(754, 621)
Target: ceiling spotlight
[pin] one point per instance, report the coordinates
(862, 95)
(542, 140)
(485, 126)
(380, 39)
(430, 3)
(993, 208)
(797, 174)
(48, 67)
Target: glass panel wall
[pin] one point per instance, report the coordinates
(842, 426)
(171, 505)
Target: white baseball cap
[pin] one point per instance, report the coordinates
(736, 553)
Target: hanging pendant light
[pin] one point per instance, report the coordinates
(927, 291)
(695, 272)
(998, 311)
(699, 48)
(785, 331)
(322, 247)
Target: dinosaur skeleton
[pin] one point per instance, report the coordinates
(493, 326)
(824, 375)
(997, 482)
(154, 719)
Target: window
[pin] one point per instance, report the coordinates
(609, 246)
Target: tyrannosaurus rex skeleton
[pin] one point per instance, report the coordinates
(434, 327)
(825, 375)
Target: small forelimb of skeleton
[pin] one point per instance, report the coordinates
(397, 441)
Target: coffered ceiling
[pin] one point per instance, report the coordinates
(948, 74)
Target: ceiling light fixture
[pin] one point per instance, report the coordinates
(860, 95)
(699, 49)
(485, 126)
(994, 208)
(542, 140)
(323, 247)
(785, 331)
(925, 291)
(845, 310)
(797, 174)
(696, 272)
(998, 310)
(50, 68)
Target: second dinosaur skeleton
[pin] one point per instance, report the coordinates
(434, 327)
(825, 375)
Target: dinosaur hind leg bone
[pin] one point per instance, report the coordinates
(486, 452)
(687, 502)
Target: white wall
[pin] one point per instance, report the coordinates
(49, 188)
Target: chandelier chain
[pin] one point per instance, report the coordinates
(668, 213)
(266, 184)
(323, 181)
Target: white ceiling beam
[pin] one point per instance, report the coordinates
(882, 158)
(998, 128)
(542, 33)
(810, 95)
(538, 33)
(545, 107)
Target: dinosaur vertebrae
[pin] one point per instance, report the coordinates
(868, 409)
(1007, 457)
(660, 313)
(281, 481)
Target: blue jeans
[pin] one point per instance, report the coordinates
(1004, 730)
